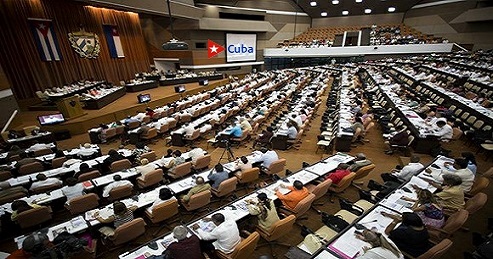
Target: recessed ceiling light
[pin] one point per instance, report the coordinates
(313, 3)
(335, 1)
(359, 1)
(367, 10)
(391, 9)
(324, 14)
(345, 12)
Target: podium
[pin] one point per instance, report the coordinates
(70, 107)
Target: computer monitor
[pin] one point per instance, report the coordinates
(144, 98)
(204, 82)
(51, 119)
(179, 89)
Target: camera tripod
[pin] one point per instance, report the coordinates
(227, 149)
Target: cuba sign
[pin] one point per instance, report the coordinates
(241, 47)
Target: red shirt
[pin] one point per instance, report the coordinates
(337, 176)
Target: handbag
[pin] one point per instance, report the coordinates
(334, 222)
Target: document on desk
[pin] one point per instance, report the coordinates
(303, 176)
(421, 184)
(320, 168)
(347, 245)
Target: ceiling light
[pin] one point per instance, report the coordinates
(313, 3)
(391, 9)
(367, 10)
(324, 14)
(359, 1)
(345, 12)
(335, 1)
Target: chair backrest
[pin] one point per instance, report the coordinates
(182, 170)
(133, 124)
(111, 132)
(151, 133)
(476, 202)
(46, 188)
(304, 205)
(226, 187)
(88, 176)
(199, 200)
(34, 217)
(119, 130)
(437, 250)
(12, 194)
(151, 156)
(195, 134)
(249, 175)
(120, 192)
(343, 184)
(456, 133)
(83, 203)
(120, 165)
(129, 231)
(321, 189)
(246, 247)
(58, 162)
(31, 168)
(164, 211)
(277, 166)
(202, 162)
(42, 152)
(280, 228)
(364, 171)
(455, 221)
(151, 178)
(5, 175)
(480, 183)
(164, 128)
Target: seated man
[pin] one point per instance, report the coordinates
(245, 125)
(264, 138)
(199, 187)
(42, 181)
(290, 200)
(359, 162)
(177, 160)
(87, 151)
(401, 138)
(444, 131)
(267, 157)
(116, 183)
(340, 172)
(38, 146)
(235, 130)
(145, 167)
(225, 234)
(217, 176)
(451, 196)
(292, 131)
(460, 169)
(243, 164)
(72, 189)
(186, 247)
(404, 174)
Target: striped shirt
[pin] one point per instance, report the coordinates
(124, 218)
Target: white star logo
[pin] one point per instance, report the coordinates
(42, 26)
(214, 48)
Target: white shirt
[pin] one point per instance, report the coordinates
(226, 234)
(48, 181)
(195, 153)
(144, 169)
(73, 191)
(38, 146)
(408, 171)
(83, 151)
(268, 157)
(466, 175)
(189, 130)
(109, 187)
(445, 133)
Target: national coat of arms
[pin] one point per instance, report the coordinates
(86, 44)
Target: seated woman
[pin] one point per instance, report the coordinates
(121, 215)
(264, 209)
(428, 209)
(411, 236)
(19, 206)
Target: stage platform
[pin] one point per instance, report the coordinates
(119, 109)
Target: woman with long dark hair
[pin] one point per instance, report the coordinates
(264, 209)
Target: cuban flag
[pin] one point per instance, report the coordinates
(46, 40)
(113, 39)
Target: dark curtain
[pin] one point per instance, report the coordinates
(21, 61)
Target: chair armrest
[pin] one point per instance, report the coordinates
(286, 210)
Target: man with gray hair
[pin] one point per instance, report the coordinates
(359, 162)
(186, 247)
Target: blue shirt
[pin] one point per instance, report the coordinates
(218, 178)
(292, 132)
(236, 131)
